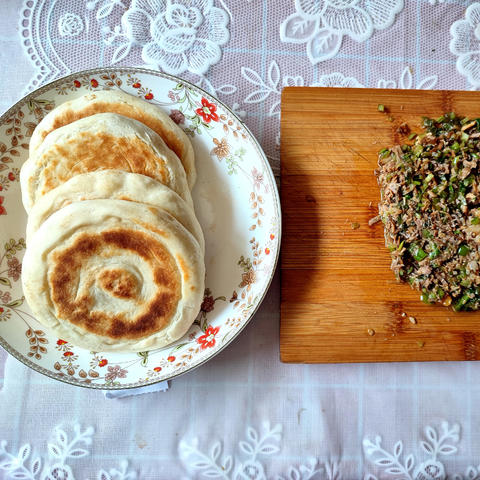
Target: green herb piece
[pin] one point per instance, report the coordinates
(417, 149)
(428, 178)
(475, 221)
(469, 180)
(412, 136)
(381, 108)
(461, 303)
(417, 252)
(435, 252)
(463, 251)
(424, 297)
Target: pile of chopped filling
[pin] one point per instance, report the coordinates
(430, 208)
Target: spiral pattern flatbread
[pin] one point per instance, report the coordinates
(114, 275)
(100, 142)
(114, 184)
(115, 101)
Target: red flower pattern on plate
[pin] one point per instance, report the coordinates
(2, 208)
(61, 342)
(102, 362)
(208, 339)
(207, 111)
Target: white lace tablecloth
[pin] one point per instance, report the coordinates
(244, 415)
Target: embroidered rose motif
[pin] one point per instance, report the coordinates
(208, 111)
(179, 35)
(70, 25)
(208, 339)
(322, 24)
(337, 79)
(466, 44)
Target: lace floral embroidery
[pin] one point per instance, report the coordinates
(56, 465)
(322, 24)
(177, 36)
(406, 81)
(249, 463)
(436, 446)
(465, 44)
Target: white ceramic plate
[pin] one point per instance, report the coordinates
(236, 200)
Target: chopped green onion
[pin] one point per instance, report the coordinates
(417, 149)
(464, 137)
(463, 300)
(475, 221)
(417, 252)
(435, 252)
(381, 108)
(428, 178)
(469, 180)
(463, 251)
(425, 298)
(456, 146)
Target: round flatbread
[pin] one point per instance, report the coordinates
(114, 184)
(115, 101)
(114, 275)
(103, 141)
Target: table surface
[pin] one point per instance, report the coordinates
(245, 415)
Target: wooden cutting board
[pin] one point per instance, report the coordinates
(337, 286)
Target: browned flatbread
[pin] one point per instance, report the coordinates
(114, 275)
(115, 101)
(103, 141)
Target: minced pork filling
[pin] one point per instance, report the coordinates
(430, 208)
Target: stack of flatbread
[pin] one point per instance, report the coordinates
(115, 253)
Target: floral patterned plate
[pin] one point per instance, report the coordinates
(236, 200)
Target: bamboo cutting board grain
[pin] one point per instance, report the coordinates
(340, 300)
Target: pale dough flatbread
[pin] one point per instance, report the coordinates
(114, 184)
